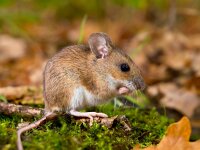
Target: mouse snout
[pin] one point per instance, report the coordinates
(139, 83)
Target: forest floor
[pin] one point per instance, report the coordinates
(168, 58)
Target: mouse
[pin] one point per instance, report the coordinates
(81, 76)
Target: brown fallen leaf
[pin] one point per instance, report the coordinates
(176, 138)
(23, 94)
(153, 73)
(11, 48)
(182, 100)
(171, 96)
(15, 92)
(193, 84)
(181, 61)
(194, 40)
(195, 62)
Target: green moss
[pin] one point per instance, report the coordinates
(148, 128)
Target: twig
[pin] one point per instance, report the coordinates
(25, 111)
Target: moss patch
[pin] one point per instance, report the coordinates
(148, 128)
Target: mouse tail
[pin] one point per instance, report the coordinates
(46, 117)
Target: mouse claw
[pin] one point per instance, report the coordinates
(91, 122)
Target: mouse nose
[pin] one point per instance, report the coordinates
(139, 83)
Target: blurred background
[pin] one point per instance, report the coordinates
(162, 37)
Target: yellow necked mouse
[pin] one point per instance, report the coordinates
(87, 75)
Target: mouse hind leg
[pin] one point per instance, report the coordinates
(89, 115)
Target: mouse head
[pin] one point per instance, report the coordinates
(114, 66)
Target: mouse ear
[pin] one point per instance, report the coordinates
(100, 44)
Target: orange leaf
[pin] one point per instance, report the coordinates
(180, 129)
(176, 138)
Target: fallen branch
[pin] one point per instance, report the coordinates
(25, 111)
(109, 122)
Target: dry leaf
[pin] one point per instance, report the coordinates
(195, 62)
(180, 62)
(194, 84)
(153, 73)
(23, 94)
(194, 40)
(176, 138)
(11, 48)
(176, 98)
(182, 100)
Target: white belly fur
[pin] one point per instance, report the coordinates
(83, 98)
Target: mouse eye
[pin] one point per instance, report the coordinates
(124, 67)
